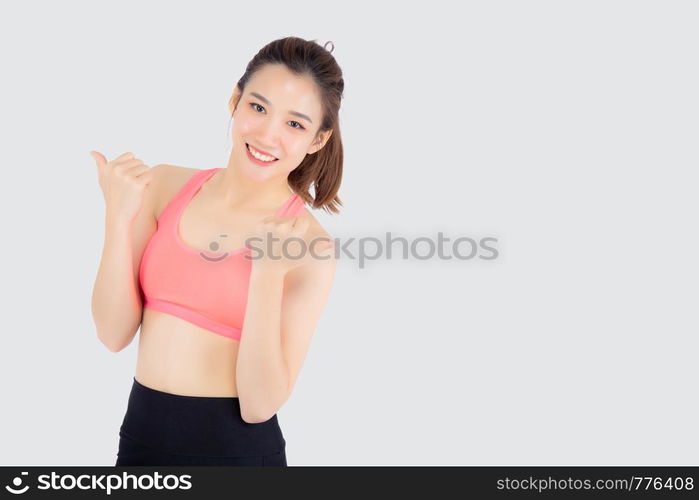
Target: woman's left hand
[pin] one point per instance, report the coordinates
(279, 245)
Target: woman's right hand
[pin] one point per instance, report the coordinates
(123, 182)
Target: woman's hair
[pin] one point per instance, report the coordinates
(323, 168)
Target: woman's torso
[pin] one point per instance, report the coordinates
(174, 355)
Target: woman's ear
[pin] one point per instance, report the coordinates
(233, 101)
(320, 141)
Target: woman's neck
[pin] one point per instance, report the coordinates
(236, 191)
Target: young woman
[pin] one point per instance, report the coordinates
(189, 254)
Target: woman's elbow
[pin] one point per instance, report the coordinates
(115, 342)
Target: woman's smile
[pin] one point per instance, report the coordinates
(258, 157)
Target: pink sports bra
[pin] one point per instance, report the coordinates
(208, 289)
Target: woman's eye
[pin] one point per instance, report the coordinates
(254, 106)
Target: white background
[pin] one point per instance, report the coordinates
(567, 130)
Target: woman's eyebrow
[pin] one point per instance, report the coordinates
(295, 113)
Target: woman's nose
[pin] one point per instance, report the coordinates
(268, 138)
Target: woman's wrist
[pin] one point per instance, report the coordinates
(117, 221)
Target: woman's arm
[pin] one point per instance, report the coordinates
(280, 318)
(116, 299)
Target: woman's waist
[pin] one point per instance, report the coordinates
(180, 358)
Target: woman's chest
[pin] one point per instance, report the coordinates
(207, 231)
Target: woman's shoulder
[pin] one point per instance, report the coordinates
(315, 230)
(168, 180)
(173, 174)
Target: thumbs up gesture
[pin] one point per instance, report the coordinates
(123, 182)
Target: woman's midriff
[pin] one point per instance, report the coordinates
(178, 357)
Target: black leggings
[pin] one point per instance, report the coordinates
(160, 428)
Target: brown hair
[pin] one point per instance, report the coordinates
(323, 168)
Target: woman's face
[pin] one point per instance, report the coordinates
(279, 113)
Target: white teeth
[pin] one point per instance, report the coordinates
(260, 156)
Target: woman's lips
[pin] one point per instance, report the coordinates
(256, 161)
(261, 151)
